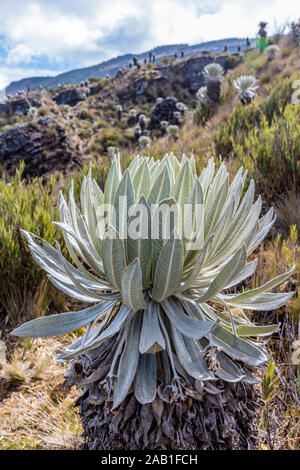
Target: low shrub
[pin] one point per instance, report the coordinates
(111, 138)
(85, 115)
(280, 97)
(242, 120)
(25, 291)
(272, 153)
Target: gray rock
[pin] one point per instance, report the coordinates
(15, 107)
(35, 102)
(164, 111)
(20, 107)
(94, 89)
(71, 97)
(140, 86)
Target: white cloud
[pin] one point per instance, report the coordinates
(20, 53)
(74, 33)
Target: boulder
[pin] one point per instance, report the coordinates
(164, 111)
(20, 107)
(3, 109)
(71, 97)
(43, 146)
(15, 107)
(140, 86)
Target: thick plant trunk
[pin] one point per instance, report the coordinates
(222, 417)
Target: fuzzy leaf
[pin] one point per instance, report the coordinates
(252, 293)
(253, 330)
(128, 362)
(229, 271)
(168, 269)
(160, 189)
(123, 202)
(200, 261)
(194, 364)
(131, 286)
(229, 371)
(111, 183)
(238, 348)
(163, 224)
(141, 180)
(145, 380)
(114, 258)
(152, 339)
(188, 326)
(139, 245)
(54, 325)
(183, 183)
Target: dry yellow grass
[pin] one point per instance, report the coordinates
(38, 413)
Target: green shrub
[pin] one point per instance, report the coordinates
(272, 153)
(111, 138)
(279, 98)
(100, 123)
(24, 289)
(94, 79)
(287, 209)
(85, 115)
(243, 119)
(43, 112)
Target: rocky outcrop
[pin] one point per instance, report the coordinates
(164, 111)
(71, 97)
(35, 101)
(3, 109)
(20, 107)
(142, 86)
(180, 78)
(194, 67)
(43, 146)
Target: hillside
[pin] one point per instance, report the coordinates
(102, 113)
(110, 67)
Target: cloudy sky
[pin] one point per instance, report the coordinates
(45, 37)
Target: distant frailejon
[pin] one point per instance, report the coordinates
(113, 65)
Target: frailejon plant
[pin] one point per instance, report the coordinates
(173, 131)
(246, 86)
(168, 345)
(272, 51)
(204, 110)
(144, 141)
(213, 71)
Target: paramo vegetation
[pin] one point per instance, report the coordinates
(153, 330)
